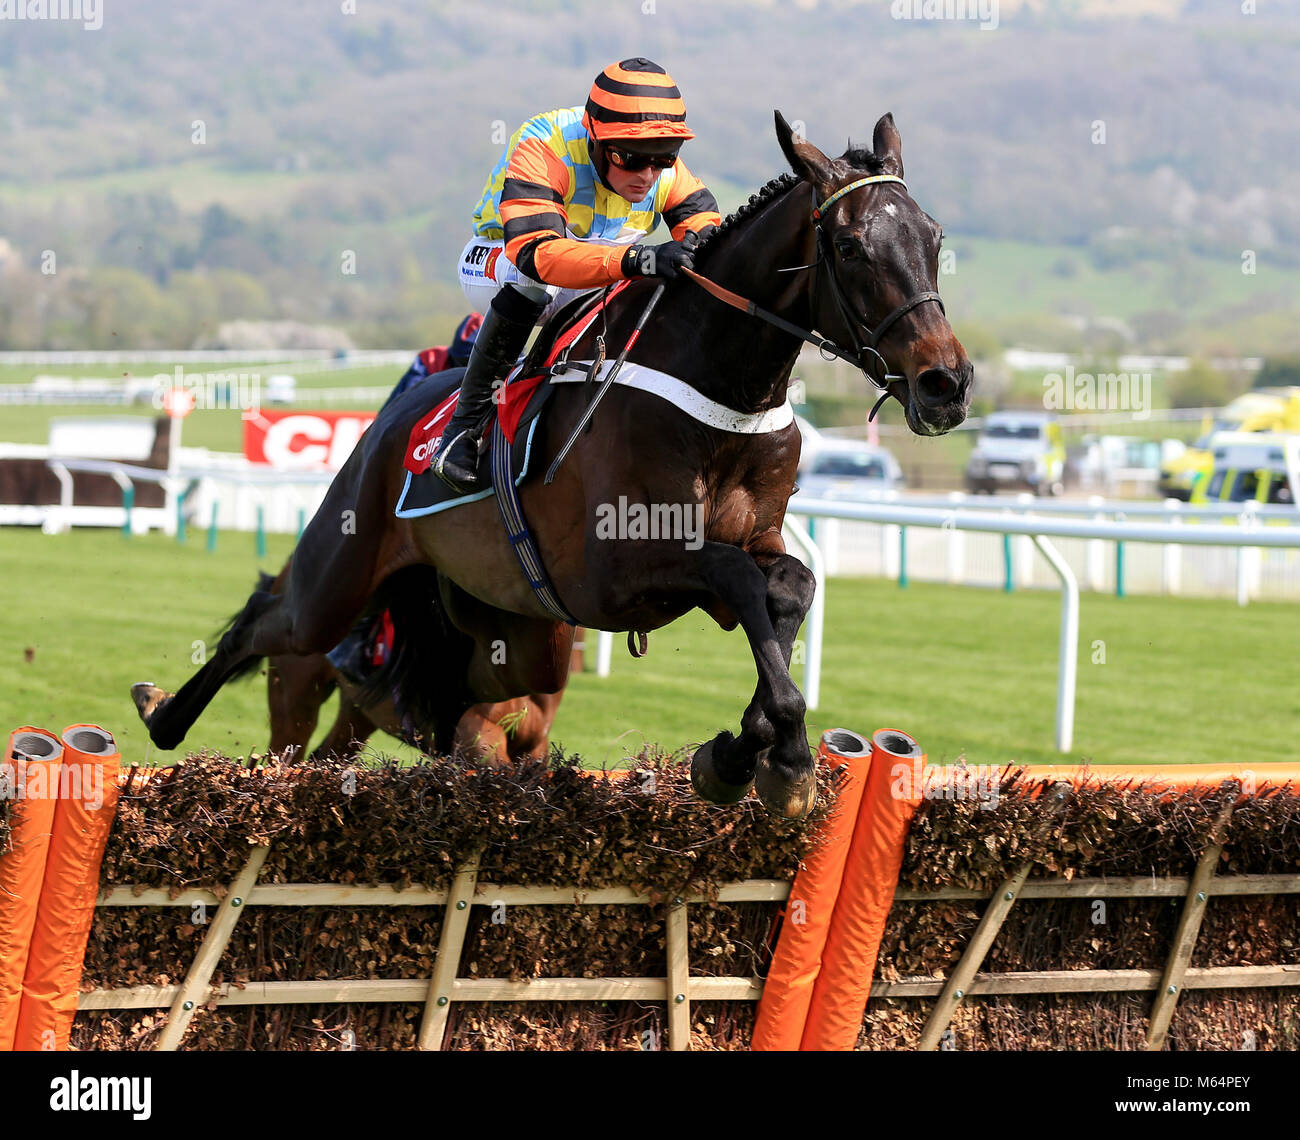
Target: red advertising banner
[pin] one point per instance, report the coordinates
(292, 441)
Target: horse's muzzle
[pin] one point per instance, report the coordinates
(941, 396)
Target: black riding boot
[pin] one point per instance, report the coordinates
(350, 656)
(505, 330)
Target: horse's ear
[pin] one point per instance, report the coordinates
(888, 145)
(804, 158)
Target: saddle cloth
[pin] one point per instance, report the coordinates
(524, 397)
(522, 400)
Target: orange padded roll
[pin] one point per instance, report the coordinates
(778, 1024)
(30, 771)
(83, 815)
(894, 789)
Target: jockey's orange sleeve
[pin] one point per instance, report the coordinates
(534, 220)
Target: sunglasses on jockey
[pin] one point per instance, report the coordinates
(634, 163)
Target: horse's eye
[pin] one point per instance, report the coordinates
(846, 247)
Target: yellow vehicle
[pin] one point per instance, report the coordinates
(1265, 410)
(1259, 466)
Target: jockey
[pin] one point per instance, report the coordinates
(565, 210)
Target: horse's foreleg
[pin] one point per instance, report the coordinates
(350, 731)
(772, 749)
(724, 768)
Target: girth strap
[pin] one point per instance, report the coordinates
(521, 538)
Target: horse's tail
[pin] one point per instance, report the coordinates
(250, 665)
(424, 673)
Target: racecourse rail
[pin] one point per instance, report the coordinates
(1080, 520)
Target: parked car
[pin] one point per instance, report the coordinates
(1017, 450)
(847, 469)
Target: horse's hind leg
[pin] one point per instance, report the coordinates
(296, 688)
(333, 573)
(350, 731)
(170, 716)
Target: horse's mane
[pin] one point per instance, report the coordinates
(770, 192)
(854, 159)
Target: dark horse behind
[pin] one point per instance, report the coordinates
(409, 696)
(866, 262)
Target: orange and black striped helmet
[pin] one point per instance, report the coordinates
(635, 99)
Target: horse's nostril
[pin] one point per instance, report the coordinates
(936, 387)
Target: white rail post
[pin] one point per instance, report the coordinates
(956, 542)
(1025, 555)
(604, 652)
(1097, 551)
(828, 540)
(889, 540)
(1069, 649)
(816, 620)
(1248, 521)
(1171, 563)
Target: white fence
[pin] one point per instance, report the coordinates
(859, 548)
(1243, 541)
(1244, 536)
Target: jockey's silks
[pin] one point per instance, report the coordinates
(544, 193)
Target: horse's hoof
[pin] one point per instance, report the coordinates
(790, 799)
(708, 784)
(151, 703)
(147, 697)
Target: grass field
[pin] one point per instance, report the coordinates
(964, 670)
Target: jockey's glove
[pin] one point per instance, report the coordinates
(661, 260)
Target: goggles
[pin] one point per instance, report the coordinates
(634, 163)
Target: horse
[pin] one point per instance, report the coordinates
(296, 687)
(836, 244)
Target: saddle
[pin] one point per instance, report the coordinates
(518, 413)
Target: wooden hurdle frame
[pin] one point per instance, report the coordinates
(677, 990)
(680, 988)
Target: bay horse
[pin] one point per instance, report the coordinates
(838, 245)
(495, 734)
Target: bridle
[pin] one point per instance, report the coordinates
(826, 257)
(865, 354)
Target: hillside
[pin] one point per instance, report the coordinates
(193, 163)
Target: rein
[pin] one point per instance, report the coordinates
(857, 357)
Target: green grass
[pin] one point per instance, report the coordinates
(996, 280)
(964, 670)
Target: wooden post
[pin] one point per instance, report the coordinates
(194, 988)
(677, 932)
(1189, 926)
(958, 984)
(995, 914)
(455, 921)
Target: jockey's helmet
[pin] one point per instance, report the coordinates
(636, 99)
